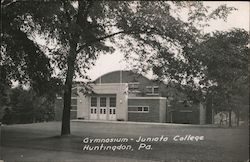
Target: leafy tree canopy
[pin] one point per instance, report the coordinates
(224, 56)
(89, 23)
(217, 64)
(80, 31)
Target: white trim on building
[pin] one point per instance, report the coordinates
(147, 98)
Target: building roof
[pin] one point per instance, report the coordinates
(121, 76)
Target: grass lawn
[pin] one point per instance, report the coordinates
(41, 142)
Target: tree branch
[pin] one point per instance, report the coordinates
(83, 12)
(99, 39)
(7, 4)
(66, 12)
(133, 30)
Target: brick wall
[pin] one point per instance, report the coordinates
(151, 116)
(59, 110)
(131, 77)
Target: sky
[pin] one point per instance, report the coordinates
(237, 19)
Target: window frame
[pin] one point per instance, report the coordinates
(95, 102)
(103, 102)
(152, 90)
(114, 102)
(133, 86)
(142, 111)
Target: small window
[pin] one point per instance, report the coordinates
(100, 111)
(112, 102)
(91, 111)
(152, 90)
(133, 86)
(104, 111)
(113, 111)
(149, 89)
(145, 109)
(95, 111)
(156, 90)
(93, 102)
(103, 101)
(110, 111)
(139, 109)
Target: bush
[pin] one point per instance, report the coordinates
(26, 107)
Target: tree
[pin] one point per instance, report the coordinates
(80, 30)
(215, 67)
(22, 60)
(25, 106)
(224, 56)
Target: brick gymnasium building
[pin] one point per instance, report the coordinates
(128, 96)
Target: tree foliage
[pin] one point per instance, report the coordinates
(25, 106)
(22, 59)
(216, 67)
(80, 31)
(224, 56)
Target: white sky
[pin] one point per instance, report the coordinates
(237, 19)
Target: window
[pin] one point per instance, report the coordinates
(133, 86)
(93, 111)
(152, 90)
(156, 90)
(103, 102)
(112, 102)
(139, 109)
(93, 102)
(111, 111)
(149, 90)
(145, 109)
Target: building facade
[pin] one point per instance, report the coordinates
(127, 96)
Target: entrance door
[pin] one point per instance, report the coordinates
(103, 108)
(112, 108)
(93, 108)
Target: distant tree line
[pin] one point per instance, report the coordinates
(25, 106)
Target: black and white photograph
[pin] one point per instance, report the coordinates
(129, 81)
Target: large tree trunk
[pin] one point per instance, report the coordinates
(67, 90)
(81, 21)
